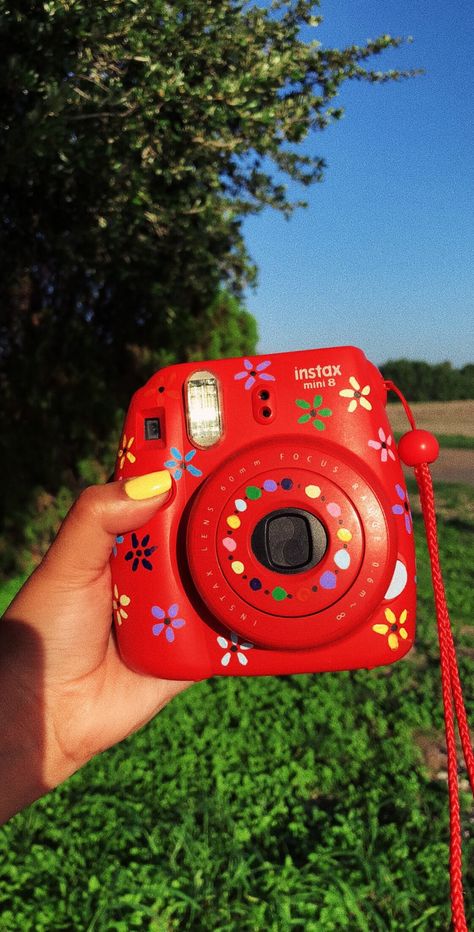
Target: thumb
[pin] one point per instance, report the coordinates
(82, 548)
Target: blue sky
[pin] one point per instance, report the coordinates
(383, 255)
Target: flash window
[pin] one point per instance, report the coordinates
(203, 409)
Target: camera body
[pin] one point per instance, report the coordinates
(286, 545)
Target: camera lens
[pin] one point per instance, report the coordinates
(264, 395)
(267, 412)
(289, 540)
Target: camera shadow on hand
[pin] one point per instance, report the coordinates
(22, 715)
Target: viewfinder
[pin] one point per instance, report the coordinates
(152, 428)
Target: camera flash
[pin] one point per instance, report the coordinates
(203, 410)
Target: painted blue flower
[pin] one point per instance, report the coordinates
(182, 463)
(252, 373)
(167, 621)
(118, 540)
(404, 508)
(140, 552)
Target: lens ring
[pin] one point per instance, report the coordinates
(259, 603)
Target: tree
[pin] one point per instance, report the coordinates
(135, 136)
(423, 381)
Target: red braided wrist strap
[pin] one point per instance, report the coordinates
(452, 691)
(417, 448)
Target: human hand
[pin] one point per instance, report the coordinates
(65, 693)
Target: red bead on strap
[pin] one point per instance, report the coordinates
(417, 447)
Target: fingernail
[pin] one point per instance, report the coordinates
(153, 483)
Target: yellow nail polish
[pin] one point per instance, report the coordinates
(153, 483)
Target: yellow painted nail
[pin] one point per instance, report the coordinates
(153, 483)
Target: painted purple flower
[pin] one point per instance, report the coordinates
(182, 463)
(251, 373)
(118, 540)
(233, 647)
(140, 552)
(167, 622)
(384, 444)
(404, 508)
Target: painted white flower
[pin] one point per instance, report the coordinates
(357, 395)
(119, 602)
(233, 647)
(384, 444)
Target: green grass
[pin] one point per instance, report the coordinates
(9, 589)
(455, 442)
(448, 441)
(272, 804)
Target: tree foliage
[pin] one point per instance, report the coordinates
(135, 137)
(422, 381)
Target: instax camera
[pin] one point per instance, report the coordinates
(286, 545)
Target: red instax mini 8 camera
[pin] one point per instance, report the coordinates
(286, 545)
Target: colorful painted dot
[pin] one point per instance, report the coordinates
(328, 580)
(229, 544)
(255, 584)
(313, 491)
(233, 521)
(303, 594)
(269, 485)
(342, 559)
(253, 492)
(237, 567)
(398, 582)
(334, 509)
(344, 534)
(240, 504)
(287, 484)
(279, 593)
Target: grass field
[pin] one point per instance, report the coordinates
(453, 424)
(312, 803)
(448, 441)
(446, 418)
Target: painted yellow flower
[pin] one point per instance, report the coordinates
(357, 395)
(394, 628)
(118, 603)
(125, 453)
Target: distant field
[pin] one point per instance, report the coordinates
(453, 424)
(442, 417)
